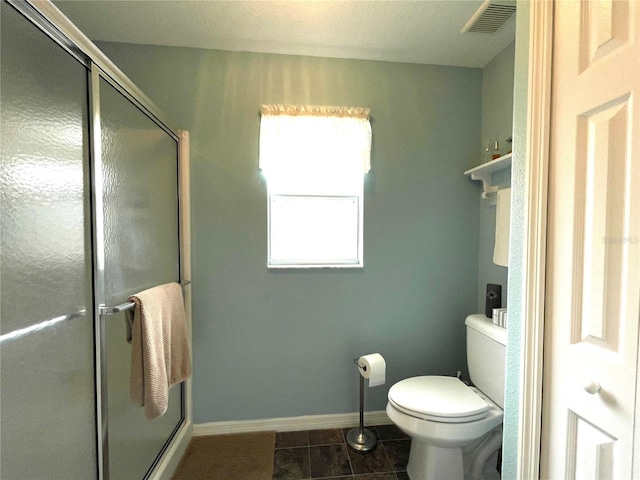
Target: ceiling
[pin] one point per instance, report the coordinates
(398, 31)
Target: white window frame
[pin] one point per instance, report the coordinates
(356, 262)
(315, 152)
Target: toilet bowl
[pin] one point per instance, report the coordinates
(455, 415)
(442, 414)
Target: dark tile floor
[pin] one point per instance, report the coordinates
(324, 454)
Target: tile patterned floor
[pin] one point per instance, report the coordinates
(324, 454)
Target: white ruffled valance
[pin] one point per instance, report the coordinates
(314, 139)
(315, 110)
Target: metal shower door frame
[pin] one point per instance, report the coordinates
(101, 309)
(44, 15)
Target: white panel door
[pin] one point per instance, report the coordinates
(593, 282)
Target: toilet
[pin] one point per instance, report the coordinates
(443, 415)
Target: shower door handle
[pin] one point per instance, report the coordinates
(123, 307)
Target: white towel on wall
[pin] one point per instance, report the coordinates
(503, 214)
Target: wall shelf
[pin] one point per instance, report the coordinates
(484, 173)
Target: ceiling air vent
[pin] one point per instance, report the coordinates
(490, 17)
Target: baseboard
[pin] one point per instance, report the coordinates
(167, 465)
(291, 424)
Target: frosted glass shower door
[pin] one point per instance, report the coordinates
(141, 250)
(47, 391)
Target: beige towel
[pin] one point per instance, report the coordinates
(159, 347)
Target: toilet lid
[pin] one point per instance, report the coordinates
(444, 399)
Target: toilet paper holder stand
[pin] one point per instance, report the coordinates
(361, 439)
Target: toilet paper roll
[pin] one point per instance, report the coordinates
(374, 368)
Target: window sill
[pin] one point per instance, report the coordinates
(298, 266)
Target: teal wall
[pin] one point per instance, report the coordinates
(497, 124)
(280, 343)
(517, 252)
(497, 98)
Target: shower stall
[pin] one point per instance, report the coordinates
(93, 209)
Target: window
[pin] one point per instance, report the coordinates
(314, 160)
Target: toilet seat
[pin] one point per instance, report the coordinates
(438, 399)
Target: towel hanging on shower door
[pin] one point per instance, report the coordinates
(159, 347)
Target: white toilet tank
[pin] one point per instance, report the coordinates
(486, 353)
